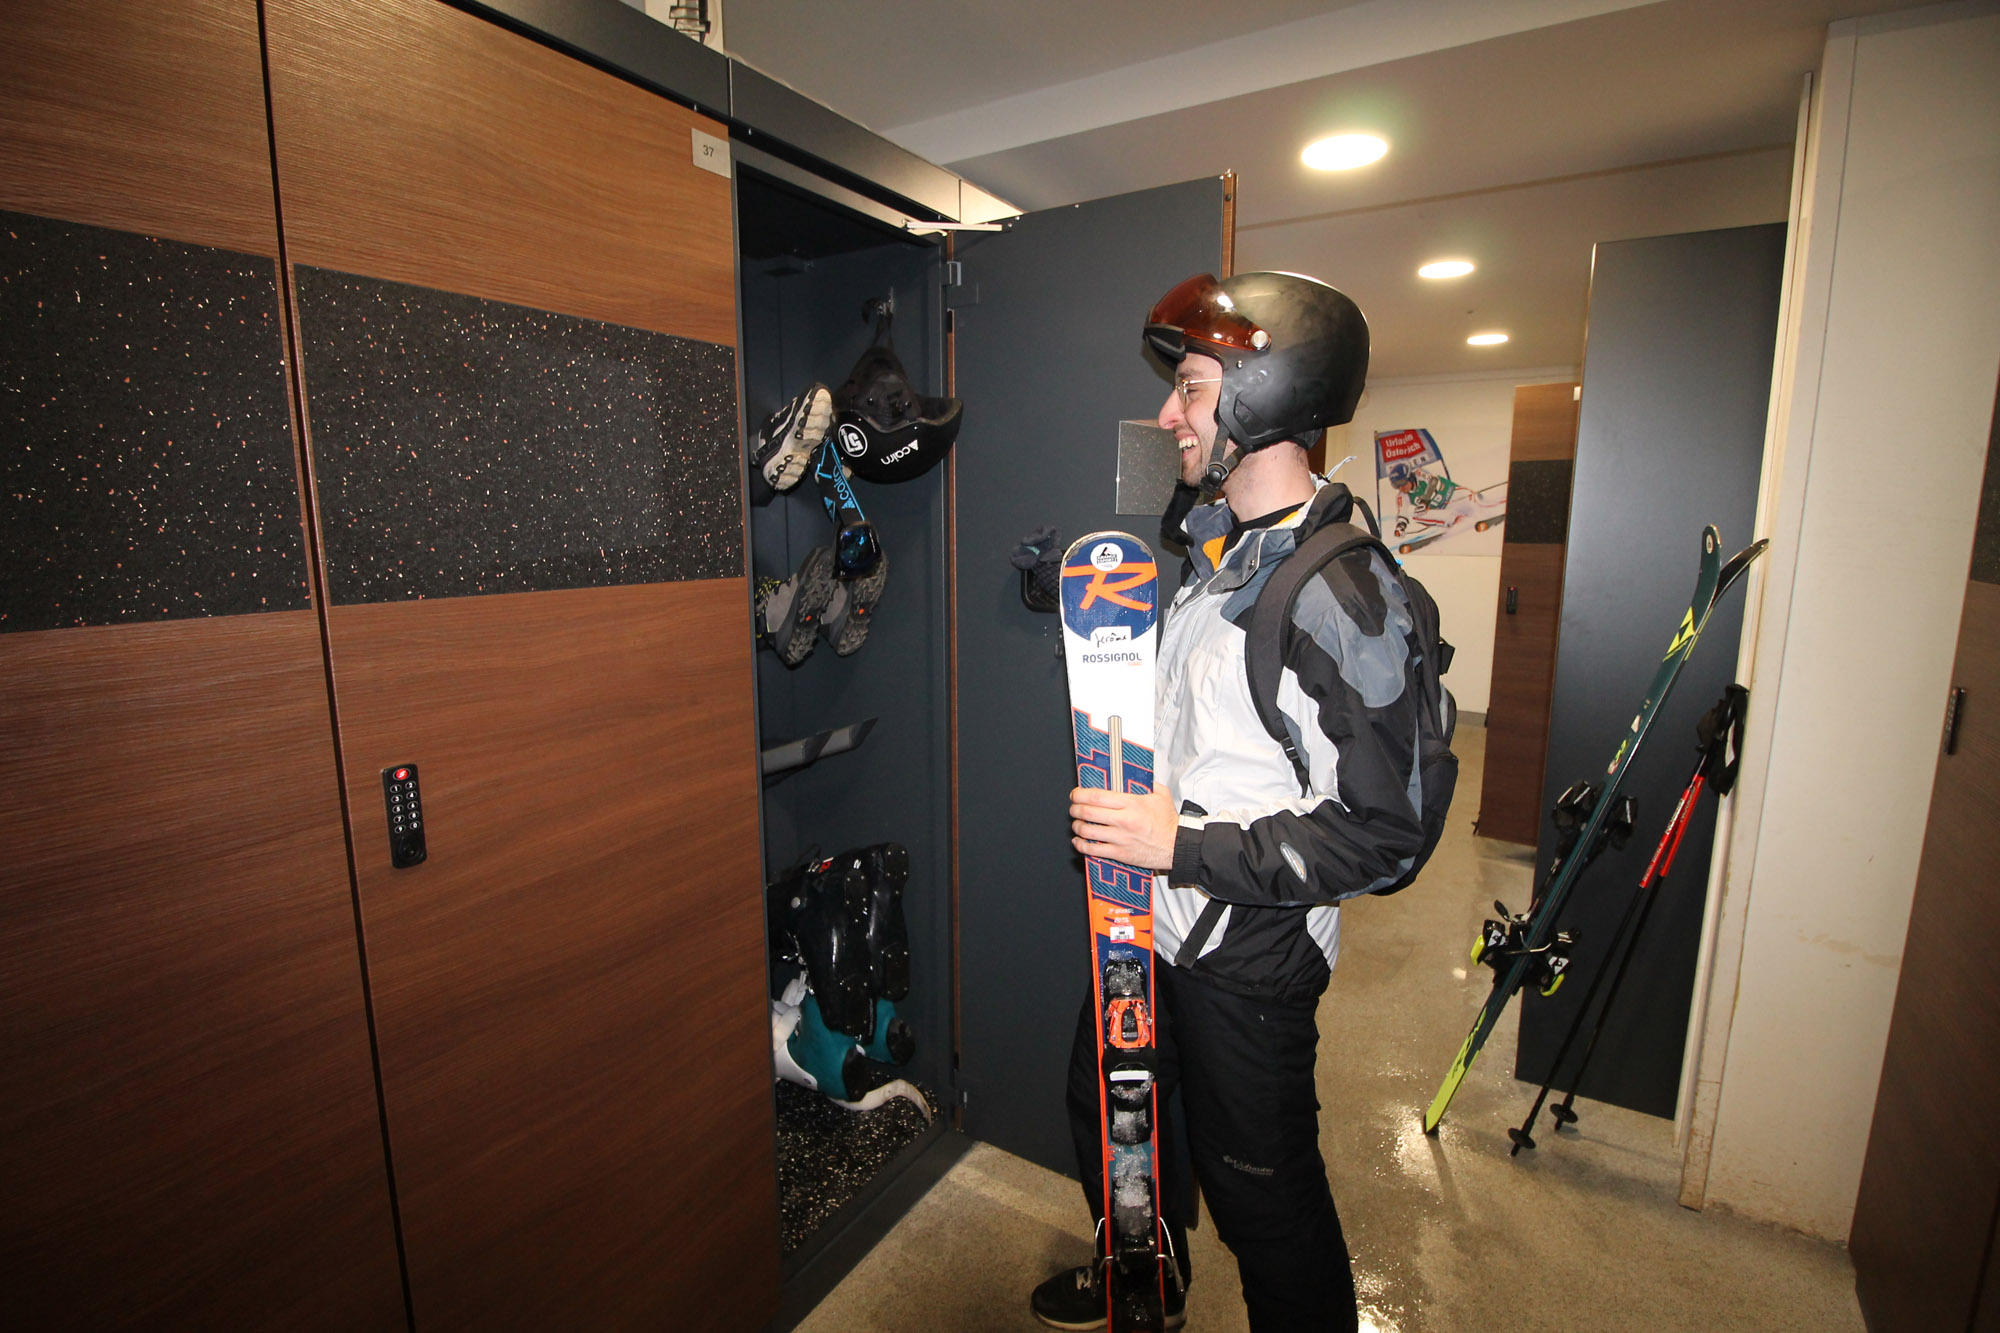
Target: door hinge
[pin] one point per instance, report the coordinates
(958, 293)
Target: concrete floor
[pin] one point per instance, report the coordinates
(1447, 1233)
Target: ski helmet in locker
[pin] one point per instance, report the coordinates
(884, 429)
(1294, 354)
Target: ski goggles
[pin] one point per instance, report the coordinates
(1199, 309)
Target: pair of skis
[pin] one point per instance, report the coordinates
(1721, 726)
(1110, 614)
(1523, 952)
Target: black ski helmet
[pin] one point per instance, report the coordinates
(884, 429)
(1294, 351)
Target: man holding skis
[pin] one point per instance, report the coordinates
(1246, 923)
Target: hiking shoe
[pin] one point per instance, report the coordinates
(1075, 1299)
(852, 607)
(788, 614)
(790, 436)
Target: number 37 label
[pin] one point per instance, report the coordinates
(711, 153)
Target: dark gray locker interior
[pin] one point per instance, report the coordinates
(807, 268)
(1677, 375)
(1049, 361)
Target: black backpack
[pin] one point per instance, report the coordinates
(1269, 632)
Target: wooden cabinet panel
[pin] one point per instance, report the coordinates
(138, 116)
(188, 1128)
(189, 1131)
(1923, 1220)
(534, 602)
(1528, 615)
(569, 991)
(423, 144)
(1517, 718)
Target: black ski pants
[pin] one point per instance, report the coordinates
(1244, 1070)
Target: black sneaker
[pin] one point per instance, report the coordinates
(789, 437)
(1075, 1299)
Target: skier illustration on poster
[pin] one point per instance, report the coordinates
(1423, 504)
(1110, 591)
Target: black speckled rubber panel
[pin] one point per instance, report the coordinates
(827, 1153)
(1538, 501)
(465, 446)
(145, 436)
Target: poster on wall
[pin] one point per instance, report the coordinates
(1423, 508)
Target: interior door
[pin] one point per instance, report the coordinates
(515, 298)
(1540, 460)
(1048, 361)
(189, 1135)
(1924, 1220)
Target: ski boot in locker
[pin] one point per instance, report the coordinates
(832, 931)
(887, 866)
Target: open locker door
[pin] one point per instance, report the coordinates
(1049, 361)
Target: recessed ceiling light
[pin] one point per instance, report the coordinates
(1445, 268)
(1342, 152)
(1487, 339)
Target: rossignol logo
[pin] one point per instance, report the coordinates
(1107, 556)
(852, 442)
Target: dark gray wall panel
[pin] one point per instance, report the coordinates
(145, 437)
(1049, 362)
(1677, 376)
(462, 446)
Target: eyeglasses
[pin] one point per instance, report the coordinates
(1183, 385)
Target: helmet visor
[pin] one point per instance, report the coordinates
(1200, 310)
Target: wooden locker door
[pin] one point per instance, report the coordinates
(189, 1133)
(1529, 612)
(1930, 1185)
(515, 299)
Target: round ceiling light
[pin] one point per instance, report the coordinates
(1344, 152)
(1445, 268)
(1487, 339)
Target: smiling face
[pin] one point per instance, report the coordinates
(1193, 421)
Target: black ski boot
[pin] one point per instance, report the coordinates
(832, 937)
(887, 867)
(784, 902)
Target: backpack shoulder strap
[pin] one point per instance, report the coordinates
(1269, 630)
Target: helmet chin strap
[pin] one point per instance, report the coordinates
(1222, 461)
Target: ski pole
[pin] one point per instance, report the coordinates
(1641, 905)
(1718, 733)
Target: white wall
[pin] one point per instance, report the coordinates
(1882, 429)
(1472, 417)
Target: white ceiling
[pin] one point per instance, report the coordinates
(1522, 131)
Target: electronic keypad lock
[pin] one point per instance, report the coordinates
(406, 815)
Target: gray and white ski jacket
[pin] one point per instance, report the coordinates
(1250, 904)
